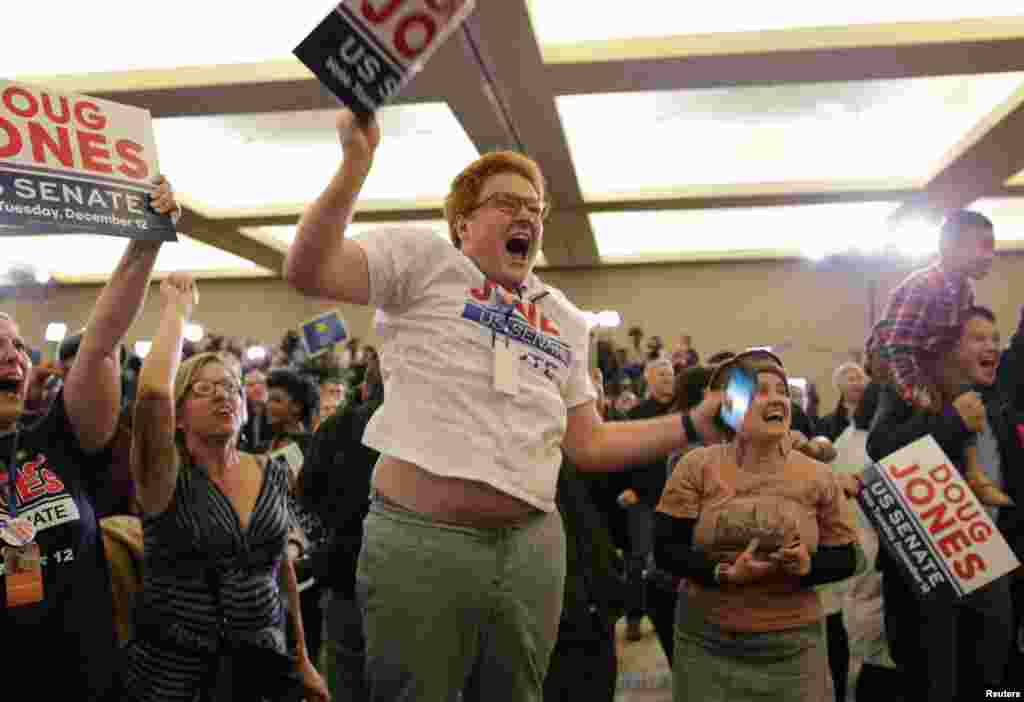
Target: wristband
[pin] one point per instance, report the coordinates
(692, 437)
(718, 573)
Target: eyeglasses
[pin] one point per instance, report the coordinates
(510, 204)
(208, 388)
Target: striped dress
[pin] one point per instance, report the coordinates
(176, 618)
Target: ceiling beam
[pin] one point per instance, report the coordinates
(224, 235)
(502, 35)
(468, 93)
(828, 54)
(978, 166)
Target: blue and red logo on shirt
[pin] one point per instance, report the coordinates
(496, 309)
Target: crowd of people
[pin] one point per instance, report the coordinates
(466, 515)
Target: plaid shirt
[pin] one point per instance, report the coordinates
(922, 317)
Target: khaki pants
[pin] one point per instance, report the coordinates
(450, 609)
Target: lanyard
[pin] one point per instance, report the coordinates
(12, 477)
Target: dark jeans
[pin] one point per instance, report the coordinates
(877, 683)
(838, 653)
(640, 526)
(583, 670)
(949, 652)
(345, 649)
(661, 608)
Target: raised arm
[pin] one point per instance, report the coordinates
(321, 262)
(154, 459)
(595, 445)
(92, 393)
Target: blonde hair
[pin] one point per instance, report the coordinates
(191, 367)
(187, 372)
(466, 187)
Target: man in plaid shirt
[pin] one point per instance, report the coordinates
(922, 320)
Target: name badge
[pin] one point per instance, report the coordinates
(23, 575)
(506, 368)
(17, 532)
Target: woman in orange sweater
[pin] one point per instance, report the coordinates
(753, 525)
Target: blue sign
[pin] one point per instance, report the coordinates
(321, 333)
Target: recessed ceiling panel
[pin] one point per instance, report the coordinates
(814, 134)
(811, 231)
(118, 35)
(85, 258)
(1007, 215)
(283, 160)
(573, 21)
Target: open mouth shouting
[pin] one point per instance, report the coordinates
(519, 243)
(774, 414)
(11, 384)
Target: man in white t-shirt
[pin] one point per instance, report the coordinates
(462, 566)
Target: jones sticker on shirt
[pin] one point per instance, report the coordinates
(522, 321)
(366, 51)
(932, 524)
(75, 164)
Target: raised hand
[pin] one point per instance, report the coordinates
(972, 410)
(359, 139)
(703, 416)
(179, 291)
(162, 201)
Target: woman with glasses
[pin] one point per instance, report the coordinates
(753, 525)
(215, 521)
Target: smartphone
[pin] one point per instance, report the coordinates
(739, 390)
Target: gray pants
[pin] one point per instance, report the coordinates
(714, 665)
(451, 609)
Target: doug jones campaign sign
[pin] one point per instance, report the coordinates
(74, 164)
(932, 524)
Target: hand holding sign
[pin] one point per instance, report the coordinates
(972, 410)
(162, 201)
(359, 137)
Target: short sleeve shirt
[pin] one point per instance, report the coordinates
(73, 624)
(440, 320)
(732, 506)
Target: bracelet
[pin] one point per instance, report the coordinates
(692, 437)
(719, 570)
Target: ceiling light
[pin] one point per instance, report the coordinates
(56, 331)
(193, 332)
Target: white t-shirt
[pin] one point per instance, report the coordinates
(439, 319)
